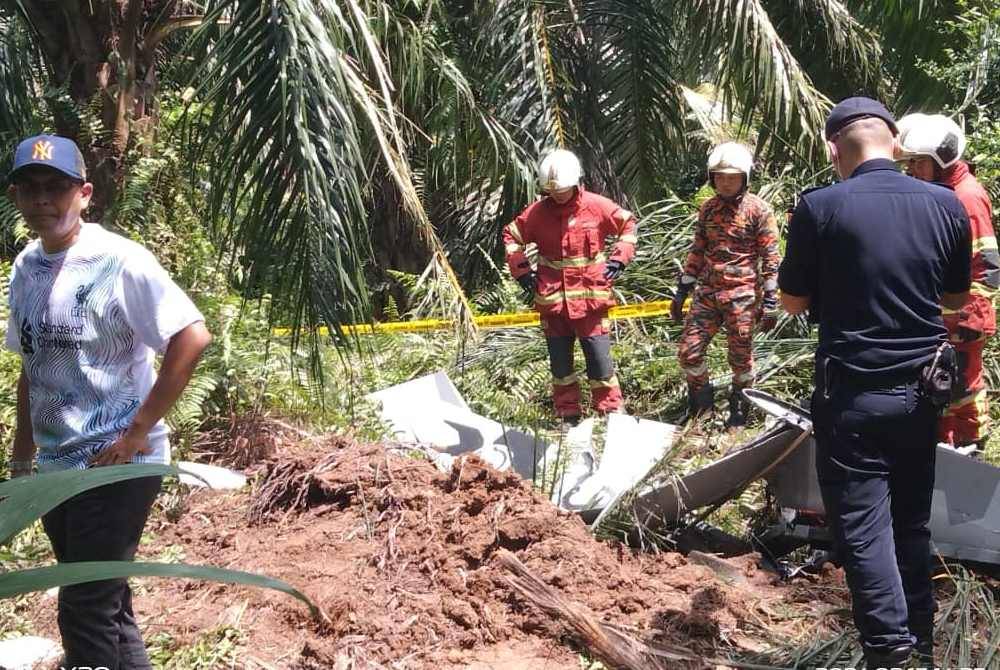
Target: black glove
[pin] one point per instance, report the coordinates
(680, 295)
(527, 282)
(613, 270)
(768, 312)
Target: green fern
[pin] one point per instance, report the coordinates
(85, 117)
(189, 411)
(391, 309)
(13, 232)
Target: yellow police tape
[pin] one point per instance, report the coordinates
(489, 322)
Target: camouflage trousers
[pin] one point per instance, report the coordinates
(711, 310)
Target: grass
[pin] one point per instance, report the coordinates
(967, 632)
(30, 548)
(212, 650)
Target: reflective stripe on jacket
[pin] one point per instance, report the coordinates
(978, 314)
(572, 250)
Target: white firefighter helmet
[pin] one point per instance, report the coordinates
(935, 136)
(730, 158)
(905, 125)
(909, 122)
(559, 170)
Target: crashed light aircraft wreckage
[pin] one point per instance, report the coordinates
(965, 515)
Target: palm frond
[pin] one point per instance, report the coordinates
(522, 55)
(756, 71)
(848, 39)
(832, 46)
(913, 34)
(642, 109)
(276, 128)
(16, 81)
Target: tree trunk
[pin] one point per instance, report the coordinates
(95, 52)
(397, 246)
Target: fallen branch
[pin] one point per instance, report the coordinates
(611, 647)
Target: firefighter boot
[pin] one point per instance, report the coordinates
(739, 407)
(701, 401)
(892, 658)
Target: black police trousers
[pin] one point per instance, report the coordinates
(96, 621)
(875, 463)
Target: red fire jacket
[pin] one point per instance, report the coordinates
(978, 314)
(571, 239)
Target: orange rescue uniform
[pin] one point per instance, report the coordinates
(572, 296)
(966, 420)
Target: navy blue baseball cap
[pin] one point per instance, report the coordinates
(851, 109)
(52, 151)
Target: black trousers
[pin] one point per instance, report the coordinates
(95, 619)
(875, 462)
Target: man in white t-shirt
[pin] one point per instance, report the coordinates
(89, 310)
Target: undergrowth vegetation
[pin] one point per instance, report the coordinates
(312, 385)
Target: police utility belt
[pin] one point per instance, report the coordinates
(937, 379)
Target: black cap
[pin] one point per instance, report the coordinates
(850, 109)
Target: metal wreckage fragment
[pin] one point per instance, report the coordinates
(965, 515)
(965, 512)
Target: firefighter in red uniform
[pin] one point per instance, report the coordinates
(571, 282)
(933, 145)
(734, 264)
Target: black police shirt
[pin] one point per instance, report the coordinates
(875, 253)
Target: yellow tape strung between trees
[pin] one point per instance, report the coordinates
(491, 321)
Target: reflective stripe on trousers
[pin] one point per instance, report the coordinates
(561, 335)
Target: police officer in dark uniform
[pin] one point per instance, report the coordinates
(883, 252)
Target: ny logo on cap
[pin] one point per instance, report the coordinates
(42, 151)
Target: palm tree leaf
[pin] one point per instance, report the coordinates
(65, 574)
(641, 117)
(294, 101)
(912, 34)
(757, 72)
(848, 38)
(16, 81)
(522, 54)
(276, 128)
(24, 500)
(832, 45)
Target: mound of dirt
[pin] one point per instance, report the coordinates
(402, 559)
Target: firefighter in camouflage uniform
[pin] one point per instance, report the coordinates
(732, 269)
(570, 285)
(933, 146)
